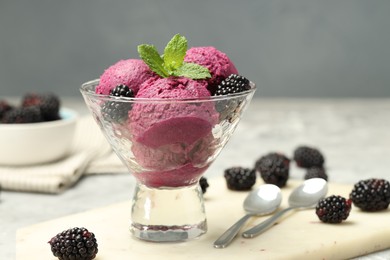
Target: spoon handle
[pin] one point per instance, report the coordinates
(256, 230)
(227, 237)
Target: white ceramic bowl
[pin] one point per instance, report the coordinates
(36, 143)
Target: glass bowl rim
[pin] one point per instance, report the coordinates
(84, 89)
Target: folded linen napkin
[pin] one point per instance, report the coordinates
(90, 154)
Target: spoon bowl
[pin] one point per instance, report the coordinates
(264, 200)
(305, 196)
(308, 194)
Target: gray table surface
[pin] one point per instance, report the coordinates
(353, 134)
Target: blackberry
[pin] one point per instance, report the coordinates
(274, 168)
(117, 111)
(316, 172)
(122, 91)
(239, 178)
(203, 184)
(371, 194)
(232, 84)
(74, 243)
(4, 107)
(333, 209)
(49, 104)
(307, 157)
(21, 115)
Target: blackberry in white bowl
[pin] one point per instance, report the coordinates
(36, 131)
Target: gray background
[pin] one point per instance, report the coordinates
(300, 48)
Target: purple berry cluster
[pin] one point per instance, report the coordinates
(311, 159)
(34, 108)
(274, 168)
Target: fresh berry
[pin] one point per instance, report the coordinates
(239, 178)
(4, 107)
(22, 115)
(122, 91)
(203, 184)
(307, 157)
(333, 209)
(117, 111)
(371, 194)
(274, 168)
(49, 104)
(316, 172)
(74, 243)
(232, 84)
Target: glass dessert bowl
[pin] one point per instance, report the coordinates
(167, 145)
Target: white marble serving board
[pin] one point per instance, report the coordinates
(299, 235)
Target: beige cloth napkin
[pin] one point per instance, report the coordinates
(90, 154)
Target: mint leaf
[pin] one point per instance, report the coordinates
(192, 70)
(151, 57)
(174, 52)
(171, 63)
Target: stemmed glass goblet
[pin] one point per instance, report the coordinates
(167, 145)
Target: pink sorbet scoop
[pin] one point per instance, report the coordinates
(164, 123)
(132, 73)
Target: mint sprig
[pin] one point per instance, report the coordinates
(171, 63)
(151, 57)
